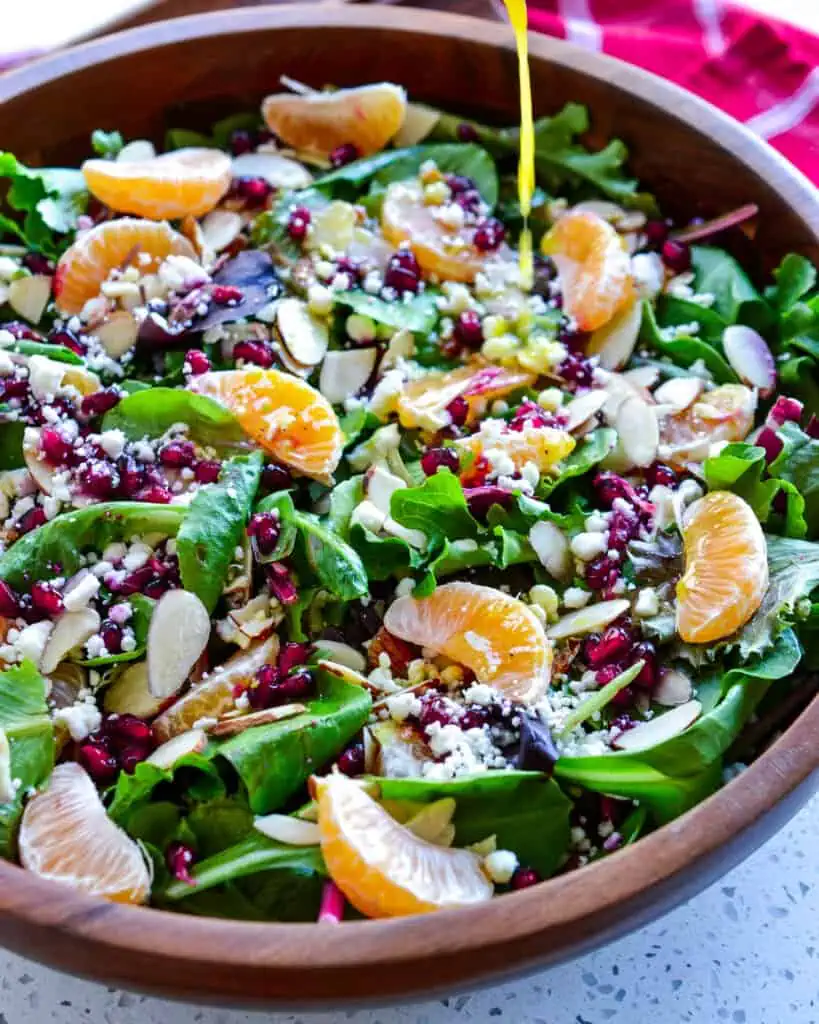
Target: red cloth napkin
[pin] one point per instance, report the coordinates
(762, 71)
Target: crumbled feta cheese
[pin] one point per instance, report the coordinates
(81, 718)
(647, 604)
(81, 593)
(587, 546)
(32, 640)
(113, 443)
(480, 693)
(648, 273)
(500, 866)
(402, 705)
(45, 376)
(574, 597)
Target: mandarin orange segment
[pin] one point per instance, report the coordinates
(66, 836)
(283, 414)
(367, 117)
(87, 263)
(543, 446)
(383, 868)
(423, 402)
(593, 266)
(173, 185)
(495, 635)
(726, 568)
(439, 249)
(724, 414)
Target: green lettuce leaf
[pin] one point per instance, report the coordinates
(684, 350)
(49, 200)
(150, 413)
(419, 315)
(717, 273)
(798, 464)
(593, 448)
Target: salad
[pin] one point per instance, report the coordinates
(342, 574)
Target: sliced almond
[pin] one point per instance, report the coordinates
(587, 620)
(279, 171)
(304, 336)
(288, 830)
(601, 207)
(674, 688)
(658, 730)
(70, 630)
(380, 485)
(749, 355)
(552, 549)
(28, 296)
(418, 123)
(343, 654)
(129, 693)
(118, 334)
(581, 409)
(370, 751)
(344, 374)
(615, 341)
(345, 672)
(431, 820)
(42, 473)
(642, 376)
(679, 393)
(168, 754)
(178, 634)
(233, 726)
(139, 149)
(8, 790)
(638, 431)
(220, 228)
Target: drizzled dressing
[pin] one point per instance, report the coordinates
(526, 163)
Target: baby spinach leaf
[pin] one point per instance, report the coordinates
(274, 761)
(150, 413)
(11, 445)
(194, 777)
(592, 449)
(795, 276)
(215, 525)
(46, 204)
(25, 721)
(798, 463)
(527, 812)
(418, 314)
(56, 547)
(437, 508)
(383, 557)
(337, 566)
(684, 351)
(674, 312)
(718, 274)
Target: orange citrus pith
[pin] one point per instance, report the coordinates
(724, 414)
(66, 836)
(543, 446)
(367, 117)
(726, 568)
(382, 868)
(495, 635)
(283, 414)
(594, 268)
(175, 184)
(423, 402)
(87, 263)
(437, 247)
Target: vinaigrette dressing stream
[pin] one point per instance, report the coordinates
(526, 165)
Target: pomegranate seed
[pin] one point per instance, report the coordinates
(197, 361)
(111, 633)
(46, 599)
(530, 414)
(468, 329)
(344, 154)
(475, 717)
(812, 429)
(226, 295)
(576, 369)
(660, 475)
(180, 858)
(623, 527)
(130, 730)
(656, 232)
(240, 141)
(351, 761)
(31, 520)
(489, 235)
(207, 471)
(178, 454)
(440, 458)
(435, 708)
(602, 573)
(281, 583)
(545, 274)
(276, 478)
(403, 272)
(610, 486)
(155, 494)
(157, 587)
(298, 223)
(21, 331)
(469, 201)
(100, 764)
(293, 655)
(130, 757)
(676, 256)
(605, 674)
(260, 690)
(612, 645)
(524, 878)
(68, 339)
(297, 685)
(264, 529)
(785, 410)
(771, 442)
(100, 402)
(15, 387)
(257, 352)
(38, 264)
(254, 191)
(481, 499)
(458, 410)
(467, 132)
(55, 448)
(131, 476)
(9, 602)
(646, 651)
(133, 583)
(99, 479)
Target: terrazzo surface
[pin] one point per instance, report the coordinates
(746, 951)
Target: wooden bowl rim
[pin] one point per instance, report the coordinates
(571, 899)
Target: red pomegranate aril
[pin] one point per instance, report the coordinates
(276, 478)
(56, 449)
(31, 520)
(131, 476)
(9, 601)
(785, 410)
(68, 340)
(458, 410)
(489, 235)
(646, 652)
(298, 684)
(254, 191)
(15, 387)
(99, 479)
(481, 499)
(178, 454)
(240, 142)
(180, 858)
(530, 414)
(601, 573)
(155, 494)
(298, 223)
(130, 730)
(207, 471)
(259, 691)
(656, 233)
(676, 256)
(46, 599)
(524, 878)
(437, 709)
(612, 645)
(468, 329)
(257, 352)
(771, 442)
(38, 264)
(281, 583)
(605, 674)
(100, 402)
(292, 655)
(576, 370)
(111, 634)
(264, 528)
(403, 272)
(197, 361)
(440, 458)
(812, 429)
(344, 154)
(100, 764)
(226, 294)
(660, 475)
(351, 761)
(131, 756)
(467, 132)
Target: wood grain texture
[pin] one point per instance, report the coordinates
(697, 160)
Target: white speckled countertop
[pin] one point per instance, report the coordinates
(746, 951)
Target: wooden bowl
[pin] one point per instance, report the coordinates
(696, 160)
